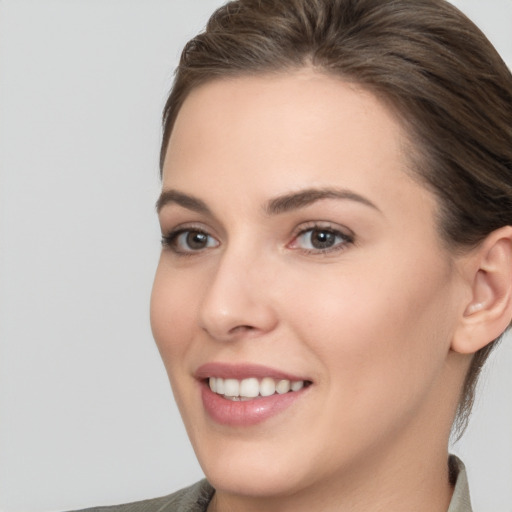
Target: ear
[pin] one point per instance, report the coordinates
(489, 311)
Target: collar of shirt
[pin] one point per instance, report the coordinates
(460, 500)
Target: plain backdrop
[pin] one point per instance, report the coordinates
(86, 413)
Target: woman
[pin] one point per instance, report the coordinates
(336, 213)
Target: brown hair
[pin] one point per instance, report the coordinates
(440, 74)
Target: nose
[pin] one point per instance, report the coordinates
(237, 302)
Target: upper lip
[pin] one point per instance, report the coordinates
(243, 371)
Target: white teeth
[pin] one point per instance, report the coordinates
(297, 385)
(231, 387)
(219, 386)
(251, 388)
(267, 386)
(283, 386)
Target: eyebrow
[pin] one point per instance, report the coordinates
(303, 198)
(184, 200)
(276, 206)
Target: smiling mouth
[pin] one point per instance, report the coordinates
(253, 388)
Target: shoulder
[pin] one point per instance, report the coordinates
(191, 499)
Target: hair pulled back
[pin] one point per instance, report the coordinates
(444, 80)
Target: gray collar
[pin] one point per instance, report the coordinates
(460, 499)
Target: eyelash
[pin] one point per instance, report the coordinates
(171, 240)
(345, 238)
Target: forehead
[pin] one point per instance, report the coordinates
(287, 105)
(271, 134)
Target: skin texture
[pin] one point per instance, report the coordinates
(370, 323)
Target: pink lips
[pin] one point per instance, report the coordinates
(244, 413)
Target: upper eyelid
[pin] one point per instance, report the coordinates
(175, 232)
(188, 226)
(172, 224)
(327, 225)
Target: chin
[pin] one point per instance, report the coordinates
(243, 476)
(260, 464)
(263, 466)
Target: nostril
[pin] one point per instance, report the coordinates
(242, 328)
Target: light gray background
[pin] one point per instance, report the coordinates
(86, 414)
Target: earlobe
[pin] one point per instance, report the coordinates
(489, 311)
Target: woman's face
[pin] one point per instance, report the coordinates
(297, 248)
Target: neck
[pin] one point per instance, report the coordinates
(377, 487)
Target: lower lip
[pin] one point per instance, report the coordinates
(248, 412)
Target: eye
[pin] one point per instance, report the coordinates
(185, 241)
(319, 239)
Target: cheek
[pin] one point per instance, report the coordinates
(378, 333)
(173, 305)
